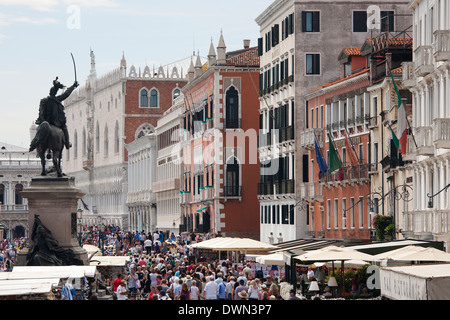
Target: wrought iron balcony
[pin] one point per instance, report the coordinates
(232, 123)
(442, 45)
(285, 187)
(424, 60)
(441, 133)
(232, 191)
(265, 189)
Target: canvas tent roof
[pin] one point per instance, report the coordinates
(62, 272)
(27, 286)
(233, 244)
(415, 253)
(274, 259)
(333, 253)
(113, 261)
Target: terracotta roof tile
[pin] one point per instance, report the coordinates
(353, 51)
(249, 58)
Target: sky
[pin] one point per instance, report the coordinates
(37, 38)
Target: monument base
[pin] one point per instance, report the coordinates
(55, 201)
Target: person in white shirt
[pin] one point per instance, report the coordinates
(229, 288)
(194, 291)
(122, 291)
(211, 289)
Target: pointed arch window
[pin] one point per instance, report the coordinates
(97, 138)
(83, 147)
(75, 145)
(116, 138)
(154, 99)
(232, 120)
(106, 142)
(143, 98)
(176, 93)
(232, 184)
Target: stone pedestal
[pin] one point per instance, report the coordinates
(55, 201)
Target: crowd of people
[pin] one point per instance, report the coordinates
(161, 268)
(8, 253)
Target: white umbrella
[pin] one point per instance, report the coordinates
(274, 259)
(333, 253)
(424, 254)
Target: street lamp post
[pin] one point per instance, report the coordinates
(430, 197)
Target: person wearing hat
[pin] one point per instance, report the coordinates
(292, 295)
(242, 295)
(122, 291)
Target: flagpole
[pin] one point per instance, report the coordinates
(407, 120)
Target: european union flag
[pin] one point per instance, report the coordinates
(320, 160)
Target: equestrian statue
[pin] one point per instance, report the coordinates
(52, 134)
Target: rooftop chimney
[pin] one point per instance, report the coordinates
(246, 44)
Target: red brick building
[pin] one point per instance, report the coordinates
(221, 122)
(336, 203)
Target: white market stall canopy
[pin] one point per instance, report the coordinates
(62, 272)
(415, 253)
(112, 261)
(27, 286)
(274, 259)
(333, 253)
(233, 244)
(417, 282)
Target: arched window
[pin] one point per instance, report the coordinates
(232, 187)
(154, 99)
(144, 98)
(18, 195)
(106, 142)
(116, 138)
(176, 93)
(97, 138)
(232, 109)
(75, 145)
(83, 146)
(144, 130)
(2, 194)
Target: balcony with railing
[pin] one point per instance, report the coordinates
(315, 192)
(13, 208)
(349, 175)
(424, 60)
(411, 150)
(265, 189)
(185, 197)
(424, 140)
(207, 193)
(285, 187)
(308, 138)
(232, 123)
(442, 45)
(423, 224)
(441, 133)
(233, 191)
(409, 77)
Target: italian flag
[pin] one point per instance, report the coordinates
(402, 129)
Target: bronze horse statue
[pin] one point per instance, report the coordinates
(53, 142)
(52, 135)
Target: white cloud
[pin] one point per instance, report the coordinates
(91, 3)
(50, 5)
(39, 5)
(34, 21)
